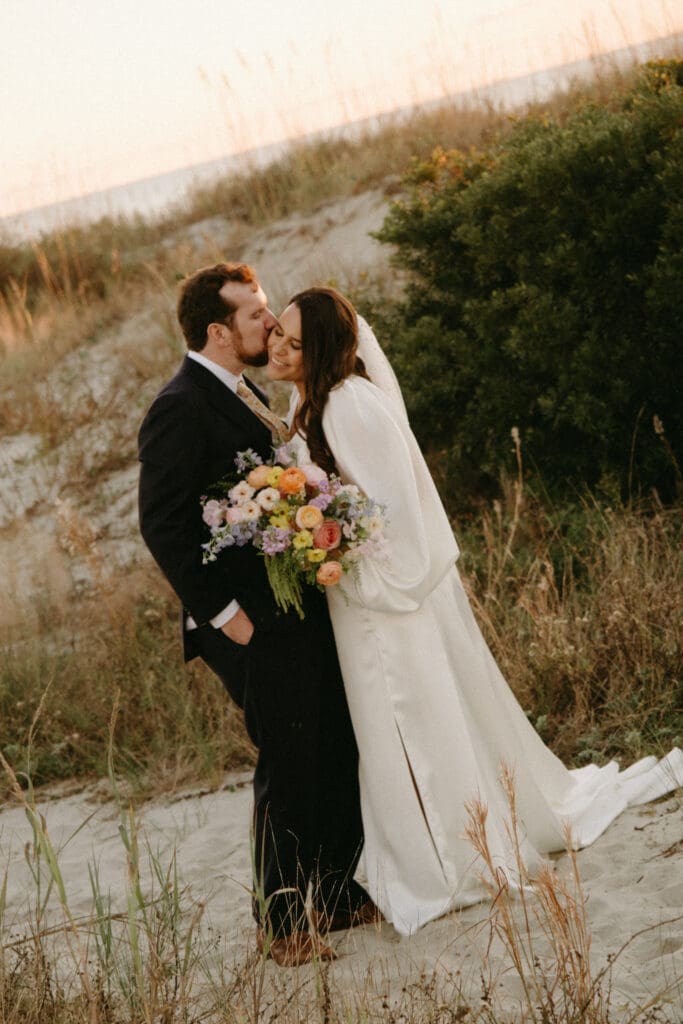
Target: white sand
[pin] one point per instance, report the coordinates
(633, 879)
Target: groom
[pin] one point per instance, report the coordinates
(283, 672)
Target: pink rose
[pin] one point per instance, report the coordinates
(329, 574)
(234, 515)
(328, 535)
(314, 474)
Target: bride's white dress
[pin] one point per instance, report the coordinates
(433, 716)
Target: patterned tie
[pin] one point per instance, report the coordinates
(277, 426)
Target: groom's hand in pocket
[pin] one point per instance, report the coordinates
(239, 629)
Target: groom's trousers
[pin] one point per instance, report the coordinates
(307, 824)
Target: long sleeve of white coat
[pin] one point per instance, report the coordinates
(375, 449)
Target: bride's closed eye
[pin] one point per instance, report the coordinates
(293, 343)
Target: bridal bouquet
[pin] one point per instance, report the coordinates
(310, 527)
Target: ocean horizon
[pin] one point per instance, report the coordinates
(158, 194)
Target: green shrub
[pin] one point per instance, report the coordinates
(545, 293)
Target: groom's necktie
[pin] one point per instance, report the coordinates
(277, 426)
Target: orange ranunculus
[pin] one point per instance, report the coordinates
(308, 517)
(292, 481)
(259, 477)
(328, 535)
(329, 574)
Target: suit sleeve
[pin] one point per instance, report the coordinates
(170, 452)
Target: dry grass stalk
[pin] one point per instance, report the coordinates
(558, 987)
(144, 970)
(43, 849)
(548, 909)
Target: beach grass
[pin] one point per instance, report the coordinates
(581, 607)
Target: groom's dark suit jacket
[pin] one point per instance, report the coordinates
(287, 679)
(187, 442)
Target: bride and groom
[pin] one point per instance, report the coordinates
(383, 741)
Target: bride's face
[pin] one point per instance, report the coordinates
(285, 359)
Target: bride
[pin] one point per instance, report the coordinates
(433, 716)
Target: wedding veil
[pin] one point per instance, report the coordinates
(380, 370)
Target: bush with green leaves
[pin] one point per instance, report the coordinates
(546, 292)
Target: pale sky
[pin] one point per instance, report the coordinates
(96, 93)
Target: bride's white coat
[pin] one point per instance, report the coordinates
(433, 716)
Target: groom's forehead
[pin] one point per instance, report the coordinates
(243, 295)
(253, 300)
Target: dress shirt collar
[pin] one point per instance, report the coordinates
(229, 379)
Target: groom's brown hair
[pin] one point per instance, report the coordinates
(200, 304)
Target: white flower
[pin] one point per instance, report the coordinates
(349, 530)
(268, 498)
(214, 513)
(251, 509)
(240, 493)
(374, 525)
(350, 489)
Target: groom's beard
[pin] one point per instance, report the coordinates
(248, 358)
(258, 360)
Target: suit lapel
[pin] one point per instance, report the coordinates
(222, 399)
(257, 391)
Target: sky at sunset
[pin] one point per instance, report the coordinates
(95, 94)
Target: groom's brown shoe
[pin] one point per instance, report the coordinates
(367, 913)
(295, 949)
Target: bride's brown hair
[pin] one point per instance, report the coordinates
(329, 348)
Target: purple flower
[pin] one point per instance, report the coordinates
(247, 460)
(243, 532)
(275, 539)
(321, 501)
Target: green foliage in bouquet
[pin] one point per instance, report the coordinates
(545, 292)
